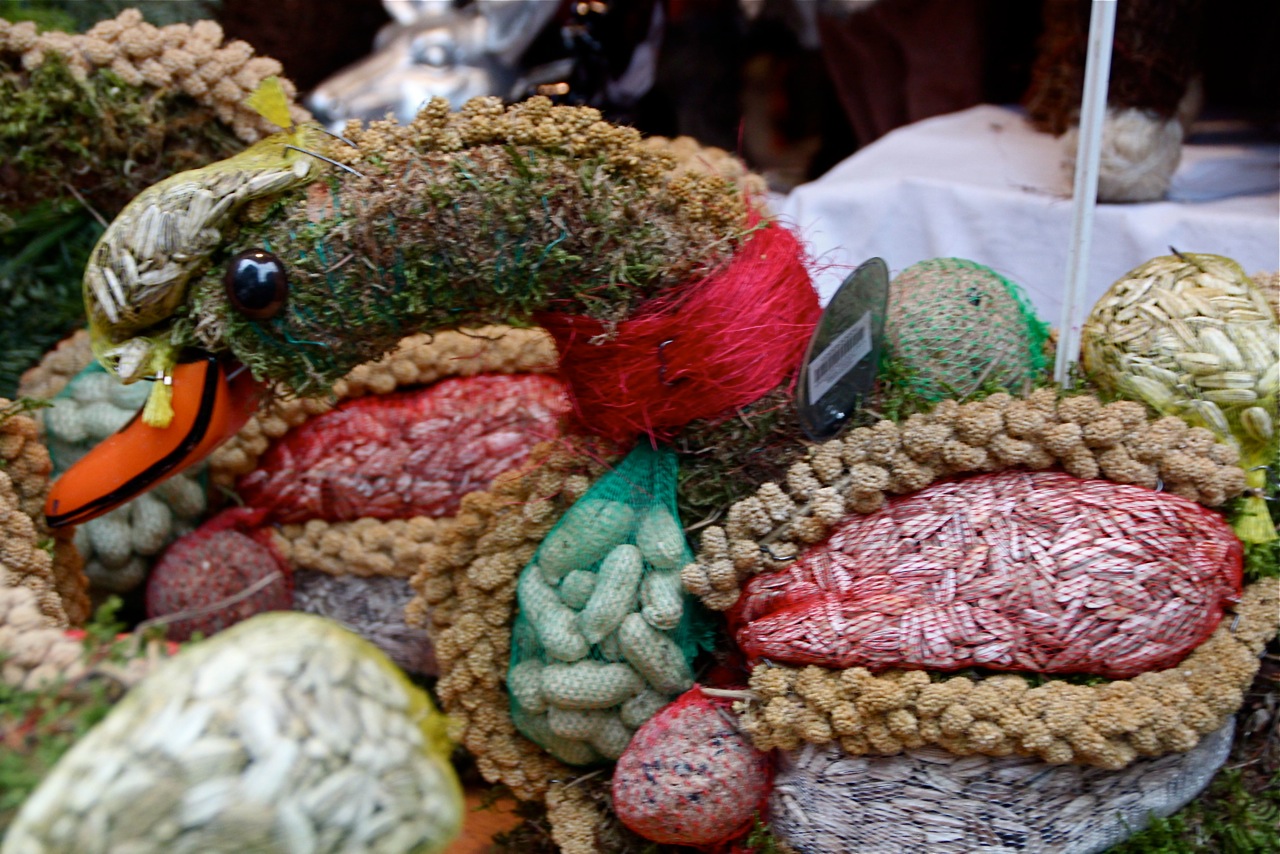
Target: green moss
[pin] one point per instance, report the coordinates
(101, 136)
(490, 234)
(1230, 818)
(726, 460)
(79, 15)
(42, 257)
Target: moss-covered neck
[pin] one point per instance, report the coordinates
(465, 219)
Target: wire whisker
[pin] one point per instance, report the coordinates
(328, 160)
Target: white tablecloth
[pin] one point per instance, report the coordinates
(982, 184)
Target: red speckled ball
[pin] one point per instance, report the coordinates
(203, 569)
(689, 777)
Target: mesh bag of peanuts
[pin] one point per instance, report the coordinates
(1014, 570)
(928, 799)
(605, 634)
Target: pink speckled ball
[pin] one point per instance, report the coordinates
(203, 569)
(689, 777)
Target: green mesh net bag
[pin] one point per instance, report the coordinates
(605, 633)
(956, 326)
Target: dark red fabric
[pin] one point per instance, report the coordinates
(690, 777)
(720, 344)
(1032, 571)
(411, 453)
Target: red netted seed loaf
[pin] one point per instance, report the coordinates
(689, 777)
(206, 568)
(413, 453)
(1035, 571)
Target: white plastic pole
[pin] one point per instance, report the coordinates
(1093, 109)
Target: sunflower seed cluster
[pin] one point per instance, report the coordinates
(1190, 334)
(285, 733)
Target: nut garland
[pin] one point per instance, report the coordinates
(369, 548)
(853, 474)
(466, 598)
(188, 57)
(420, 359)
(57, 367)
(35, 655)
(31, 555)
(1108, 725)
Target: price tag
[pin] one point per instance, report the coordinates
(839, 368)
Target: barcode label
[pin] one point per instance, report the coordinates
(840, 357)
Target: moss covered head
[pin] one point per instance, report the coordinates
(487, 215)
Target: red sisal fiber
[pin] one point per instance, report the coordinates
(1031, 571)
(719, 345)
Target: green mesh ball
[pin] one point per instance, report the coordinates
(956, 326)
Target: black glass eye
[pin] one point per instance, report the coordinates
(256, 284)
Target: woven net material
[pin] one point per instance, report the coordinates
(605, 635)
(720, 344)
(689, 777)
(373, 608)
(1035, 571)
(956, 325)
(930, 800)
(201, 581)
(410, 453)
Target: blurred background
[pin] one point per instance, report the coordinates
(793, 86)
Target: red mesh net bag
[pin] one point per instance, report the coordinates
(1036, 571)
(690, 778)
(218, 575)
(719, 344)
(412, 453)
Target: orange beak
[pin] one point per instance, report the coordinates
(212, 399)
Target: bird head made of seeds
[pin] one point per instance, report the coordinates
(285, 266)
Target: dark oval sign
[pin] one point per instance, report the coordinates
(840, 365)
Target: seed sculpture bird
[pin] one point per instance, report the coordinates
(287, 265)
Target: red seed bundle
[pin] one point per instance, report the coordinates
(412, 453)
(1036, 571)
(205, 575)
(689, 777)
(716, 345)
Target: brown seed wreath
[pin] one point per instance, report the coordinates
(465, 585)
(1109, 724)
(31, 555)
